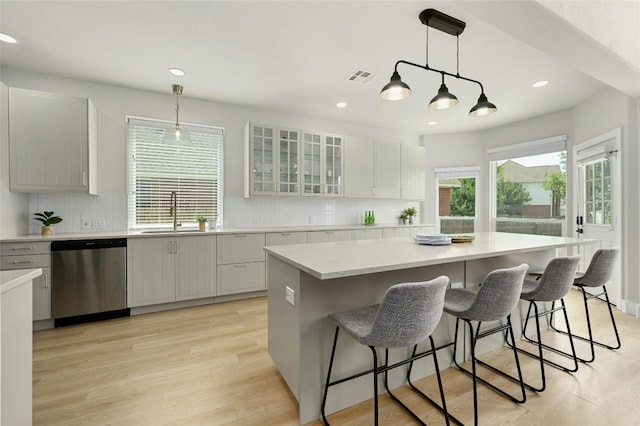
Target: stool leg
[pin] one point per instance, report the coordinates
(375, 384)
(613, 322)
(326, 386)
(472, 340)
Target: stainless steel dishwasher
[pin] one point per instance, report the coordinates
(88, 280)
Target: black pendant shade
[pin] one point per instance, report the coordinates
(396, 89)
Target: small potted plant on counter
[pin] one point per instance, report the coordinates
(47, 219)
(202, 223)
(408, 214)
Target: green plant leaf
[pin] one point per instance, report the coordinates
(54, 220)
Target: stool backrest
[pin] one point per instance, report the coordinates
(498, 295)
(556, 280)
(408, 313)
(600, 268)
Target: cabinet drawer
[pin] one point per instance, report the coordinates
(36, 247)
(396, 233)
(282, 238)
(329, 236)
(240, 278)
(240, 248)
(25, 262)
(367, 234)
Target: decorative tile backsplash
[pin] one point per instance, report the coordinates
(255, 212)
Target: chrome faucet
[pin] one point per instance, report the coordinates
(173, 210)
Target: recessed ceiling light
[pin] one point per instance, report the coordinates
(341, 105)
(431, 123)
(540, 83)
(176, 71)
(7, 38)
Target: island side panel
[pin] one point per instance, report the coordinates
(283, 320)
(318, 299)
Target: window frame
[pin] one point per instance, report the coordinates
(131, 193)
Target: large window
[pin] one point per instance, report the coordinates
(529, 187)
(156, 169)
(456, 208)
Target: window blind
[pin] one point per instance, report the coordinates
(526, 149)
(156, 169)
(457, 172)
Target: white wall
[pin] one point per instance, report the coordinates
(602, 112)
(115, 102)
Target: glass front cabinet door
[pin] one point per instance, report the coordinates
(288, 149)
(321, 164)
(262, 160)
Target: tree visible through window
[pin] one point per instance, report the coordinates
(157, 169)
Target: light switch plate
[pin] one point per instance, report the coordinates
(290, 295)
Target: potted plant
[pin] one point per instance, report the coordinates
(409, 213)
(47, 219)
(404, 217)
(202, 223)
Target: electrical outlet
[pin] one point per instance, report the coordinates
(94, 223)
(290, 295)
(100, 223)
(254, 220)
(312, 220)
(85, 224)
(457, 285)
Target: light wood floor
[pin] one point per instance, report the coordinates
(209, 366)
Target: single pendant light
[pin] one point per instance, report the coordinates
(483, 107)
(444, 99)
(177, 134)
(396, 89)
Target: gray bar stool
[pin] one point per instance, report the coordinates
(498, 296)
(598, 274)
(553, 285)
(407, 315)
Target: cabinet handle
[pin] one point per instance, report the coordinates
(46, 280)
(171, 247)
(328, 232)
(285, 234)
(241, 265)
(18, 262)
(23, 248)
(240, 235)
(84, 178)
(177, 247)
(373, 190)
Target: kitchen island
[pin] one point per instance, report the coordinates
(16, 345)
(308, 282)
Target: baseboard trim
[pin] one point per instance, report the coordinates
(631, 308)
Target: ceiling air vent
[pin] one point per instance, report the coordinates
(361, 77)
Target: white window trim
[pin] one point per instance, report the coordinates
(192, 127)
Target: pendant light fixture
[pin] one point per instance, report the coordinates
(177, 134)
(396, 89)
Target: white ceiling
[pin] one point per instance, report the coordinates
(296, 56)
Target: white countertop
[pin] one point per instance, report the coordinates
(14, 278)
(349, 258)
(192, 231)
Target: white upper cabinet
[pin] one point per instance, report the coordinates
(272, 160)
(372, 169)
(412, 172)
(322, 164)
(52, 143)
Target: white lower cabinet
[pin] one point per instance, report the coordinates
(396, 232)
(283, 238)
(328, 236)
(166, 269)
(240, 263)
(240, 278)
(27, 255)
(367, 234)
